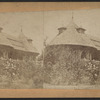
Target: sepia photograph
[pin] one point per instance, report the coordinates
(50, 51)
(72, 58)
(21, 44)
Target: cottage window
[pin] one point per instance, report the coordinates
(61, 30)
(81, 30)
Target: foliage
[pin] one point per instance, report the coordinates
(20, 72)
(67, 68)
(81, 72)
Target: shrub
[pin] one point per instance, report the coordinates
(64, 65)
(20, 72)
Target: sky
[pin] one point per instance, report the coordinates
(39, 25)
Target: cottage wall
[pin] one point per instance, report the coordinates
(5, 51)
(96, 55)
(67, 53)
(8, 52)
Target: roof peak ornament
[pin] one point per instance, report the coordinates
(21, 29)
(72, 15)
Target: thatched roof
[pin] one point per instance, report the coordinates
(96, 41)
(27, 43)
(18, 43)
(71, 36)
(4, 40)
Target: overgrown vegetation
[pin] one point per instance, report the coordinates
(66, 68)
(20, 74)
(60, 68)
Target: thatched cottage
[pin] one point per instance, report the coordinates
(72, 44)
(16, 48)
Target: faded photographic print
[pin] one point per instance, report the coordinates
(50, 49)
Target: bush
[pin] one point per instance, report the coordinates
(63, 65)
(21, 72)
(81, 72)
